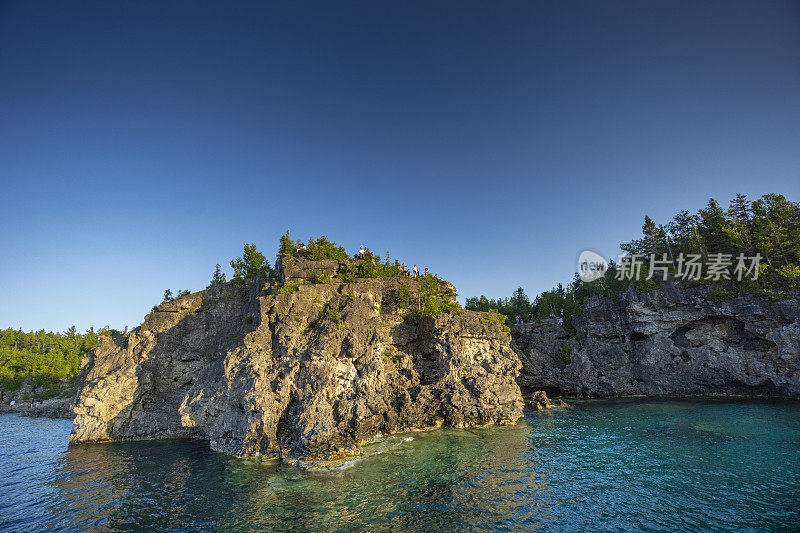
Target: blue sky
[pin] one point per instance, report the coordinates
(141, 143)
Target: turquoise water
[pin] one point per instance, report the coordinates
(630, 465)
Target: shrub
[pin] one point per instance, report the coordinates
(431, 302)
(719, 295)
(790, 276)
(43, 379)
(289, 286)
(566, 352)
(49, 393)
(402, 296)
(320, 279)
(644, 285)
(322, 248)
(9, 381)
(496, 317)
(348, 275)
(334, 314)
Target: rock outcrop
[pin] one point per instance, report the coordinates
(299, 269)
(675, 341)
(540, 401)
(53, 408)
(310, 374)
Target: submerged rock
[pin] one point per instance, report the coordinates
(675, 341)
(310, 374)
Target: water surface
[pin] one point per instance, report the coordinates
(633, 465)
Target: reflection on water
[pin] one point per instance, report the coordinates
(630, 465)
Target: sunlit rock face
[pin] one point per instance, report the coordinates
(675, 341)
(310, 374)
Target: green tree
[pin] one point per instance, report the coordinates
(250, 264)
(682, 231)
(776, 229)
(519, 304)
(218, 278)
(322, 248)
(740, 208)
(713, 229)
(287, 245)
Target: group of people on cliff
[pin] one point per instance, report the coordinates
(410, 273)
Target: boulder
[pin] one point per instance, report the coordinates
(539, 400)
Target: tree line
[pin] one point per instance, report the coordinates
(46, 357)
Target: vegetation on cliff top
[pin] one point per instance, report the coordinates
(316, 250)
(422, 297)
(769, 226)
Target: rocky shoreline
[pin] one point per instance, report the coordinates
(314, 372)
(674, 342)
(52, 408)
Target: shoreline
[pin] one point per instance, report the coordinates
(52, 408)
(55, 408)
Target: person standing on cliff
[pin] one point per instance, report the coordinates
(416, 271)
(426, 272)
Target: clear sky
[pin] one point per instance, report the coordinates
(141, 143)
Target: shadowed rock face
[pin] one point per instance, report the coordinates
(670, 342)
(306, 375)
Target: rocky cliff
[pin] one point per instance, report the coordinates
(675, 341)
(308, 374)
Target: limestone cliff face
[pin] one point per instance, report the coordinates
(672, 342)
(310, 374)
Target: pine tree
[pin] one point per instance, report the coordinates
(287, 246)
(519, 303)
(740, 228)
(776, 228)
(650, 233)
(218, 278)
(167, 296)
(712, 229)
(740, 208)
